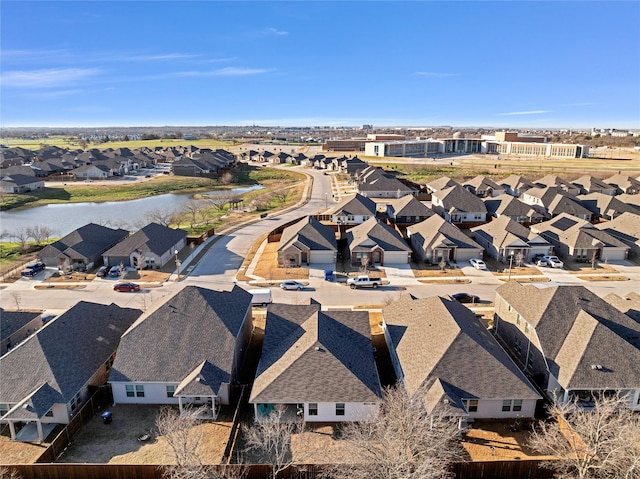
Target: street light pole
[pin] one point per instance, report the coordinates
(178, 264)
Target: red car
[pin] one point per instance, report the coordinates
(126, 287)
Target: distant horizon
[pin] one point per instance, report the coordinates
(525, 65)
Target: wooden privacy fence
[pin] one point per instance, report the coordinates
(465, 470)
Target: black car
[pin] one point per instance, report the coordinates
(466, 298)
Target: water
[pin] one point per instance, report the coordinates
(64, 218)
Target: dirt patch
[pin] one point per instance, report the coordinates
(267, 266)
(13, 452)
(76, 277)
(375, 322)
(519, 271)
(445, 281)
(147, 275)
(422, 270)
(117, 443)
(59, 286)
(586, 268)
(527, 279)
(495, 441)
(603, 277)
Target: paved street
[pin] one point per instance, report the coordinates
(218, 267)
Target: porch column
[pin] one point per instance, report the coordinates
(565, 398)
(180, 404)
(40, 433)
(12, 430)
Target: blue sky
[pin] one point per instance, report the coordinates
(417, 63)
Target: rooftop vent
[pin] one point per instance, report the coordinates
(597, 367)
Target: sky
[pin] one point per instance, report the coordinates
(543, 64)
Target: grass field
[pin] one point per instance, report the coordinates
(73, 143)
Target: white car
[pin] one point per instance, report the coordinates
(552, 261)
(292, 285)
(478, 263)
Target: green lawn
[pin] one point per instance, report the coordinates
(72, 143)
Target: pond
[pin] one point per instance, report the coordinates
(131, 214)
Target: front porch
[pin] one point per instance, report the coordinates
(204, 407)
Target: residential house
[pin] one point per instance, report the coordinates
(483, 187)
(186, 352)
(307, 242)
(81, 249)
(435, 239)
(605, 206)
(352, 165)
(16, 326)
(378, 242)
(556, 201)
(443, 353)
(457, 205)
(589, 184)
(93, 172)
(318, 364)
(18, 183)
(407, 211)
(628, 304)
(625, 228)
(440, 184)
(579, 240)
(150, 247)
(624, 184)
(516, 185)
(512, 207)
(504, 239)
(570, 341)
(48, 377)
(353, 210)
(377, 184)
(552, 181)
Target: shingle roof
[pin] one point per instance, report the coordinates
(504, 232)
(356, 205)
(577, 330)
(439, 339)
(12, 321)
(576, 233)
(310, 355)
(372, 232)
(516, 182)
(458, 198)
(590, 184)
(153, 237)
(506, 205)
(64, 354)
(441, 183)
(606, 205)
(311, 233)
(195, 326)
(435, 229)
(86, 242)
(481, 182)
(625, 227)
(623, 182)
(409, 206)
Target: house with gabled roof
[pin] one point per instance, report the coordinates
(46, 379)
(378, 242)
(317, 364)
(512, 207)
(407, 211)
(441, 351)
(515, 185)
(459, 206)
(573, 343)
(579, 240)
(353, 210)
(504, 238)
(553, 181)
(186, 352)
(93, 171)
(626, 228)
(18, 183)
(16, 326)
(377, 184)
(606, 207)
(441, 183)
(628, 304)
(624, 184)
(483, 187)
(150, 247)
(435, 239)
(82, 248)
(590, 184)
(307, 242)
(556, 201)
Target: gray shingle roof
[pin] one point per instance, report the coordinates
(439, 339)
(193, 326)
(503, 232)
(435, 229)
(64, 354)
(12, 321)
(458, 198)
(311, 233)
(606, 205)
(506, 205)
(375, 232)
(578, 329)
(86, 242)
(580, 233)
(441, 183)
(625, 227)
(310, 355)
(409, 206)
(153, 237)
(356, 205)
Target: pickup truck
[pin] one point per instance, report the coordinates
(32, 269)
(363, 281)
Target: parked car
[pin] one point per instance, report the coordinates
(102, 271)
(363, 281)
(126, 287)
(478, 263)
(114, 272)
(465, 298)
(32, 269)
(552, 261)
(292, 285)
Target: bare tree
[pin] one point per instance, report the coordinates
(219, 201)
(21, 236)
(519, 259)
(281, 192)
(39, 234)
(443, 265)
(401, 441)
(271, 437)
(160, 216)
(16, 298)
(226, 178)
(364, 262)
(190, 209)
(603, 442)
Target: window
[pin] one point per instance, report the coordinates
(171, 389)
(75, 402)
(313, 409)
(4, 409)
(506, 405)
(517, 404)
(340, 409)
(472, 405)
(139, 390)
(129, 389)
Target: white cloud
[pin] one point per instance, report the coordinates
(275, 31)
(228, 71)
(437, 74)
(530, 112)
(47, 78)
